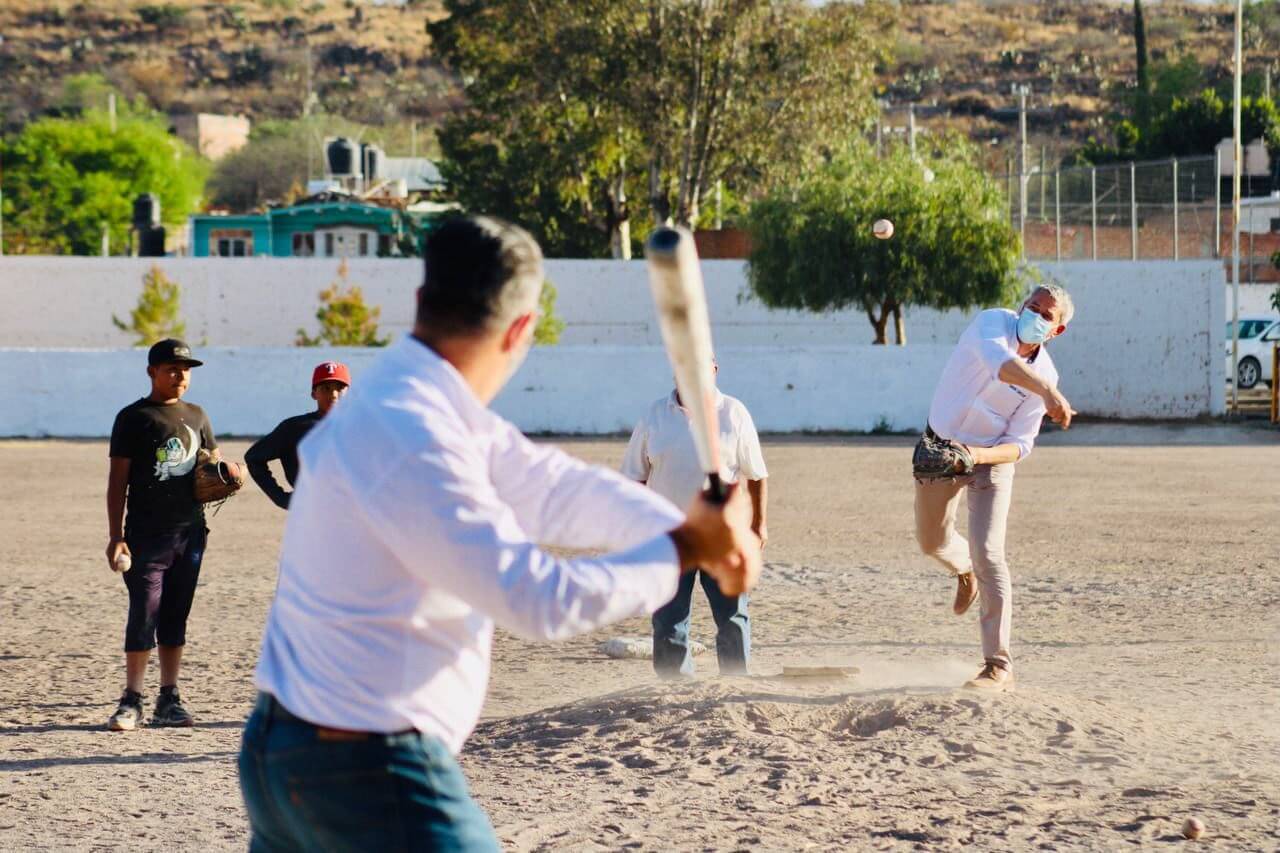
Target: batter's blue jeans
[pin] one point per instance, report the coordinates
(671, 654)
(309, 788)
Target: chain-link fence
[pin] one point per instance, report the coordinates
(1171, 209)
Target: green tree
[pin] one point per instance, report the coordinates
(1195, 125)
(549, 327)
(813, 247)
(156, 315)
(345, 319)
(1275, 294)
(268, 168)
(576, 109)
(68, 179)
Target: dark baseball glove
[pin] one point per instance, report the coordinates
(216, 480)
(940, 459)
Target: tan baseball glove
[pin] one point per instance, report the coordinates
(216, 480)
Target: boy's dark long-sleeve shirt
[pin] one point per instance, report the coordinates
(282, 444)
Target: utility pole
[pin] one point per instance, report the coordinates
(911, 128)
(306, 116)
(1237, 156)
(413, 138)
(1044, 156)
(111, 109)
(1022, 90)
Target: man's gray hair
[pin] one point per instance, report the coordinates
(1060, 296)
(522, 257)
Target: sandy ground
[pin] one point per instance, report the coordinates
(1147, 586)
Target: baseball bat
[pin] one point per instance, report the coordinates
(681, 300)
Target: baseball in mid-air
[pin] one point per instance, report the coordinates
(123, 563)
(1193, 828)
(883, 229)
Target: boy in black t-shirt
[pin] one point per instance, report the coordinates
(154, 445)
(329, 381)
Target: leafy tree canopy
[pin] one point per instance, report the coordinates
(1187, 127)
(67, 179)
(813, 246)
(583, 113)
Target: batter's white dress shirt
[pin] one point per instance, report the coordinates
(971, 405)
(661, 451)
(412, 532)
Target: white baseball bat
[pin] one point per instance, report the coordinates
(681, 300)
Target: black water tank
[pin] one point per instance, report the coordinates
(371, 161)
(341, 156)
(151, 242)
(146, 211)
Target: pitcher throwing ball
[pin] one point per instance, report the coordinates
(411, 534)
(986, 413)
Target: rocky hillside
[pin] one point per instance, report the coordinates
(371, 61)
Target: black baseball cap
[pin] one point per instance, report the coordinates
(171, 350)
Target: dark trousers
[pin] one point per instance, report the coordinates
(310, 788)
(671, 655)
(162, 585)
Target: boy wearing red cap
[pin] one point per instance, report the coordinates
(329, 381)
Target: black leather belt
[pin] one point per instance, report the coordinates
(273, 710)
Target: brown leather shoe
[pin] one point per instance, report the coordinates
(995, 677)
(966, 593)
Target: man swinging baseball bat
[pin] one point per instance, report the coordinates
(371, 680)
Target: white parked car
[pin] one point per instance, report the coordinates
(1258, 334)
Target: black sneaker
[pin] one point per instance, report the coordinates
(169, 710)
(128, 713)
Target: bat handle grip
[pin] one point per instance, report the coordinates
(717, 489)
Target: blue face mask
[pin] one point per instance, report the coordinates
(1032, 328)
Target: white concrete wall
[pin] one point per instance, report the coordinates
(1147, 343)
(565, 389)
(64, 302)
(1254, 299)
(262, 302)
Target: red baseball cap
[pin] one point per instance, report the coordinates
(330, 371)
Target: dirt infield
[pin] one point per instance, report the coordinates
(1147, 643)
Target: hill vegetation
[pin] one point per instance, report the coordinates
(373, 63)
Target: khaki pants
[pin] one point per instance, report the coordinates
(989, 489)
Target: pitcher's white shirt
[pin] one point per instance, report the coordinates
(411, 533)
(971, 405)
(661, 451)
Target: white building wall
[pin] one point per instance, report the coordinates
(262, 302)
(1147, 343)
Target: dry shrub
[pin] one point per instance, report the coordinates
(156, 79)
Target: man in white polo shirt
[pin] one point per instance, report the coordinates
(411, 533)
(994, 392)
(661, 454)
